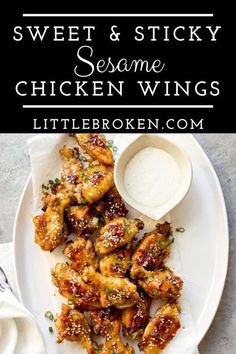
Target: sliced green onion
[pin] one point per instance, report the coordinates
(57, 181)
(107, 291)
(83, 158)
(95, 169)
(180, 229)
(51, 183)
(115, 148)
(49, 315)
(45, 187)
(121, 293)
(169, 243)
(84, 202)
(110, 143)
(50, 329)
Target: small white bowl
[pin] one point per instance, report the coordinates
(156, 141)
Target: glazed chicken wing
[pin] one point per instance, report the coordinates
(106, 323)
(161, 329)
(71, 173)
(154, 247)
(79, 220)
(159, 284)
(118, 292)
(117, 233)
(135, 318)
(116, 263)
(114, 344)
(111, 206)
(96, 146)
(84, 293)
(73, 326)
(90, 290)
(50, 229)
(102, 321)
(96, 181)
(81, 253)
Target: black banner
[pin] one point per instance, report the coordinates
(122, 72)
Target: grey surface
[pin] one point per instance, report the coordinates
(221, 149)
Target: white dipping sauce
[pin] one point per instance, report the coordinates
(152, 177)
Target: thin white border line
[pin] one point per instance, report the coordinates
(118, 15)
(115, 106)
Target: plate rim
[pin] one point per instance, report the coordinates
(203, 331)
(226, 238)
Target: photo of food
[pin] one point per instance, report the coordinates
(118, 246)
(117, 180)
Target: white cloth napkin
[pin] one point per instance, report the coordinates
(19, 333)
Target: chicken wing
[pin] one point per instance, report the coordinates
(73, 326)
(102, 321)
(161, 329)
(50, 229)
(96, 146)
(80, 221)
(111, 206)
(116, 263)
(106, 324)
(71, 174)
(81, 253)
(159, 284)
(114, 345)
(118, 292)
(75, 287)
(96, 181)
(154, 247)
(135, 318)
(116, 234)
